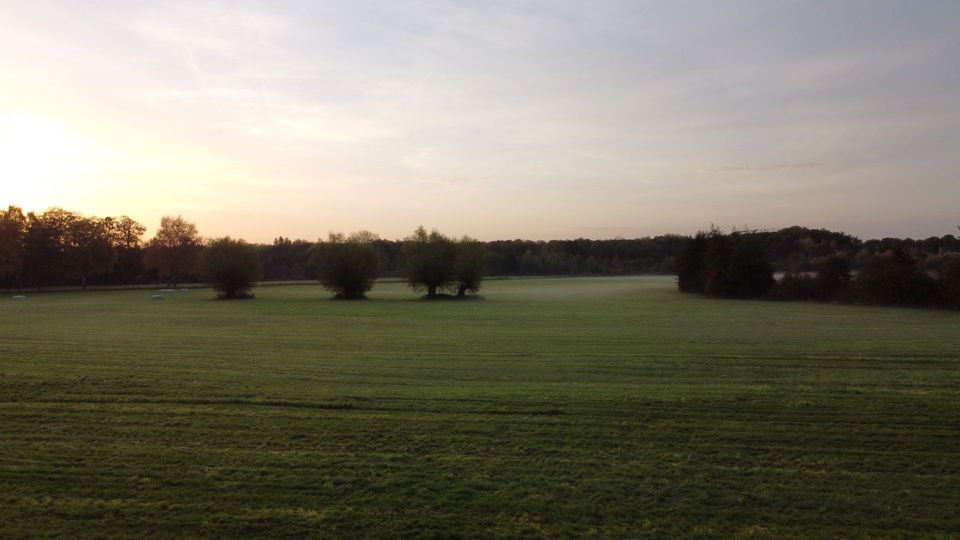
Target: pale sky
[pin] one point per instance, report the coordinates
(540, 120)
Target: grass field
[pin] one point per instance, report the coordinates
(612, 407)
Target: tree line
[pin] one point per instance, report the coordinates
(738, 265)
(60, 247)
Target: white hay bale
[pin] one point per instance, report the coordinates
(19, 297)
(156, 297)
(166, 290)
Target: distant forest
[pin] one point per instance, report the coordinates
(58, 247)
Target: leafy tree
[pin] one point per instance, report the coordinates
(470, 266)
(346, 265)
(13, 234)
(126, 237)
(88, 248)
(429, 260)
(175, 250)
(46, 246)
(231, 267)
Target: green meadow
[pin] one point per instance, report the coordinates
(576, 407)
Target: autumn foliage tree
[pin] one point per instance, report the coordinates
(231, 267)
(175, 250)
(346, 265)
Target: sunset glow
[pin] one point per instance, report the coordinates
(263, 119)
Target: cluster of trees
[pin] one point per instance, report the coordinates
(728, 265)
(434, 262)
(894, 277)
(347, 264)
(737, 265)
(59, 246)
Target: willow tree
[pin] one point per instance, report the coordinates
(429, 261)
(231, 267)
(346, 265)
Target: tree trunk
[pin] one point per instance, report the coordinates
(83, 282)
(462, 291)
(431, 291)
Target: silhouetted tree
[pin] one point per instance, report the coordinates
(13, 234)
(748, 273)
(470, 265)
(231, 267)
(88, 248)
(346, 265)
(126, 236)
(45, 246)
(691, 264)
(175, 249)
(429, 260)
(718, 264)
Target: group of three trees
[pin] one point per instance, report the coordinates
(347, 264)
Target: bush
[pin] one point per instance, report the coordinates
(230, 267)
(347, 266)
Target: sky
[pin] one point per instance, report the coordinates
(513, 119)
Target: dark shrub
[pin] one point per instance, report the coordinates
(950, 282)
(748, 273)
(231, 267)
(833, 278)
(793, 287)
(691, 264)
(894, 279)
